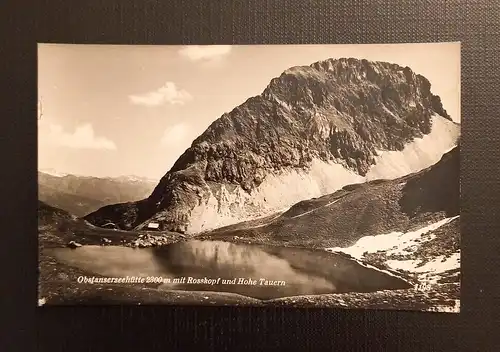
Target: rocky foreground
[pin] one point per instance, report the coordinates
(58, 287)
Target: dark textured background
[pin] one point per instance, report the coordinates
(475, 23)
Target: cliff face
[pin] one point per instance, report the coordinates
(313, 130)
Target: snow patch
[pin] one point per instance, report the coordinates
(406, 265)
(418, 154)
(394, 242)
(438, 265)
(428, 273)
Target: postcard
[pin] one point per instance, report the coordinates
(250, 175)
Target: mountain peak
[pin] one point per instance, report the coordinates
(314, 127)
(374, 105)
(393, 79)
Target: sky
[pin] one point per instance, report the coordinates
(113, 110)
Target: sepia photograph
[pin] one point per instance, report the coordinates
(250, 175)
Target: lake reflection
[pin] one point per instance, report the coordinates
(303, 271)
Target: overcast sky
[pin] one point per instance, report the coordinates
(132, 110)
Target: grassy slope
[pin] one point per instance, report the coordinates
(342, 218)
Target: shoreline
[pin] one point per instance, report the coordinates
(58, 286)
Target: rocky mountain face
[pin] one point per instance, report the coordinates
(80, 195)
(313, 130)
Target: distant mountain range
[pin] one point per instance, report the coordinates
(81, 195)
(313, 130)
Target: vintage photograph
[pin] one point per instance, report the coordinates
(256, 175)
